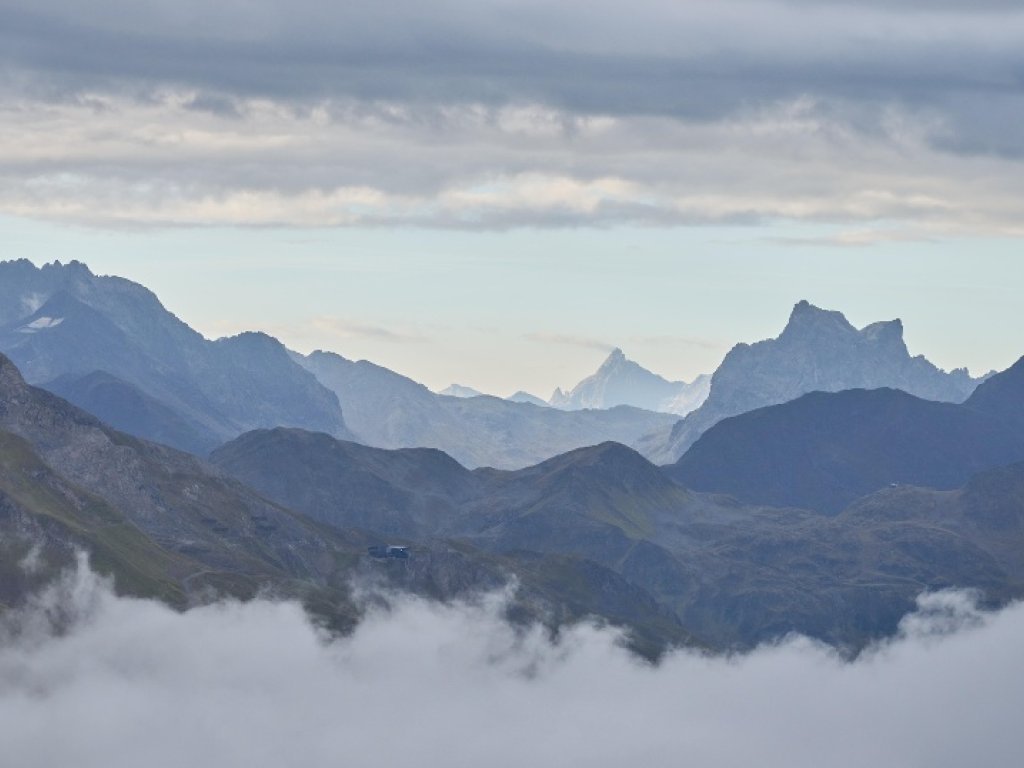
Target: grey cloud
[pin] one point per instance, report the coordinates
(218, 105)
(543, 337)
(347, 329)
(128, 682)
(699, 342)
(736, 112)
(654, 58)
(165, 163)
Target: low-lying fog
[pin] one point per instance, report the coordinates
(132, 683)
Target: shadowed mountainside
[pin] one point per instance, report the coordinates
(823, 450)
(734, 574)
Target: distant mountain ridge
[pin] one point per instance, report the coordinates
(458, 390)
(62, 323)
(526, 397)
(388, 410)
(620, 381)
(819, 350)
(108, 345)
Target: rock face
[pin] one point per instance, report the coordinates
(388, 410)
(817, 351)
(620, 381)
(62, 324)
(826, 449)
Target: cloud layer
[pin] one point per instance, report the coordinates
(499, 114)
(129, 682)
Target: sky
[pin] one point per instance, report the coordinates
(498, 192)
(132, 682)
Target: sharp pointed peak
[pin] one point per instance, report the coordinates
(615, 356)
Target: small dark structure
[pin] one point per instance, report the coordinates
(383, 552)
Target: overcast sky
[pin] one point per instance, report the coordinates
(642, 137)
(131, 682)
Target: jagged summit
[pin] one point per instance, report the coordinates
(615, 357)
(807, 317)
(72, 267)
(887, 333)
(818, 350)
(621, 381)
(808, 320)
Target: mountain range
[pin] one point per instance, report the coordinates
(597, 530)
(109, 346)
(733, 572)
(818, 350)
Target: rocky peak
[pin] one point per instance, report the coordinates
(807, 320)
(73, 269)
(887, 333)
(616, 358)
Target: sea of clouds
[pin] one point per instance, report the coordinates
(88, 678)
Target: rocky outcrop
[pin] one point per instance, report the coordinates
(819, 350)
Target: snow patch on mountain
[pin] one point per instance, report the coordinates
(40, 324)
